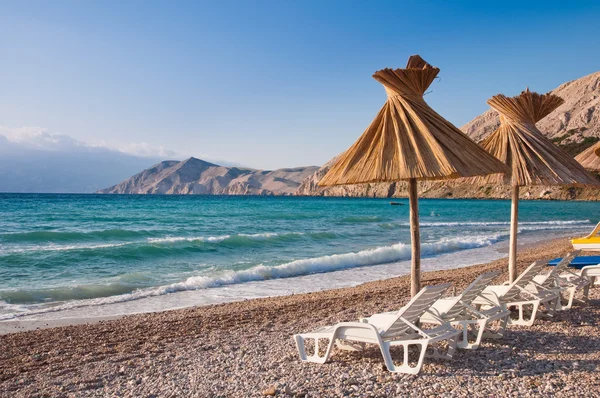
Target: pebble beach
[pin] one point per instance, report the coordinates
(245, 349)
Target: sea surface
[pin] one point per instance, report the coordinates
(61, 253)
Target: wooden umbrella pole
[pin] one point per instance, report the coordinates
(514, 223)
(415, 239)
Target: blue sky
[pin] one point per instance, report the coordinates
(270, 83)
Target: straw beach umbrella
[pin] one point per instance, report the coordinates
(409, 141)
(532, 158)
(590, 158)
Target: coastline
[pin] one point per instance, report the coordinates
(242, 348)
(115, 307)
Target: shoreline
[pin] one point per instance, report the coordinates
(240, 349)
(383, 198)
(276, 287)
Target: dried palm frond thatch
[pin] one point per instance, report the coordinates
(590, 158)
(410, 141)
(532, 158)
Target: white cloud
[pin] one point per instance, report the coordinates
(146, 150)
(41, 139)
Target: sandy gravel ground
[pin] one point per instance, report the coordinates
(245, 349)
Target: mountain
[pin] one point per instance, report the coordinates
(82, 169)
(574, 126)
(195, 176)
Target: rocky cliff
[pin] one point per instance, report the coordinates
(195, 176)
(574, 126)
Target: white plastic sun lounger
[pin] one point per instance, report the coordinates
(516, 295)
(563, 281)
(582, 280)
(386, 330)
(589, 276)
(462, 312)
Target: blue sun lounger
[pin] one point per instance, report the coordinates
(578, 262)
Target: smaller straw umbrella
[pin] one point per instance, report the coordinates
(532, 158)
(590, 158)
(409, 141)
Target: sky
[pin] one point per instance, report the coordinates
(269, 84)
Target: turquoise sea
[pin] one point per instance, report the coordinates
(60, 252)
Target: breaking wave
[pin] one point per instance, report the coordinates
(80, 295)
(152, 246)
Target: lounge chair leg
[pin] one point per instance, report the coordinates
(452, 344)
(405, 353)
(481, 324)
(572, 291)
(478, 328)
(451, 347)
(464, 341)
(534, 312)
(501, 331)
(421, 356)
(521, 320)
(586, 292)
(315, 357)
(552, 307)
(518, 321)
(387, 357)
(502, 327)
(521, 313)
(559, 305)
(405, 367)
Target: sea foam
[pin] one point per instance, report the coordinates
(221, 238)
(322, 264)
(335, 262)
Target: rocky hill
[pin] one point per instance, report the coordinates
(195, 176)
(574, 126)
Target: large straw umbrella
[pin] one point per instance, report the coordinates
(409, 141)
(590, 158)
(532, 158)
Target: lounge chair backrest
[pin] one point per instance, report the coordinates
(523, 280)
(469, 294)
(415, 309)
(562, 266)
(594, 232)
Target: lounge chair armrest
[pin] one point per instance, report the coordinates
(539, 285)
(488, 298)
(532, 294)
(359, 325)
(414, 327)
(475, 311)
(590, 271)
(356, 331)
(435, 315)
(572, 273)
(381, 320)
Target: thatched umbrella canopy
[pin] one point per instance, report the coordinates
(590, 158)
(409, 141)
(532, 158)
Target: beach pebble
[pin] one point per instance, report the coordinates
(233, 354)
